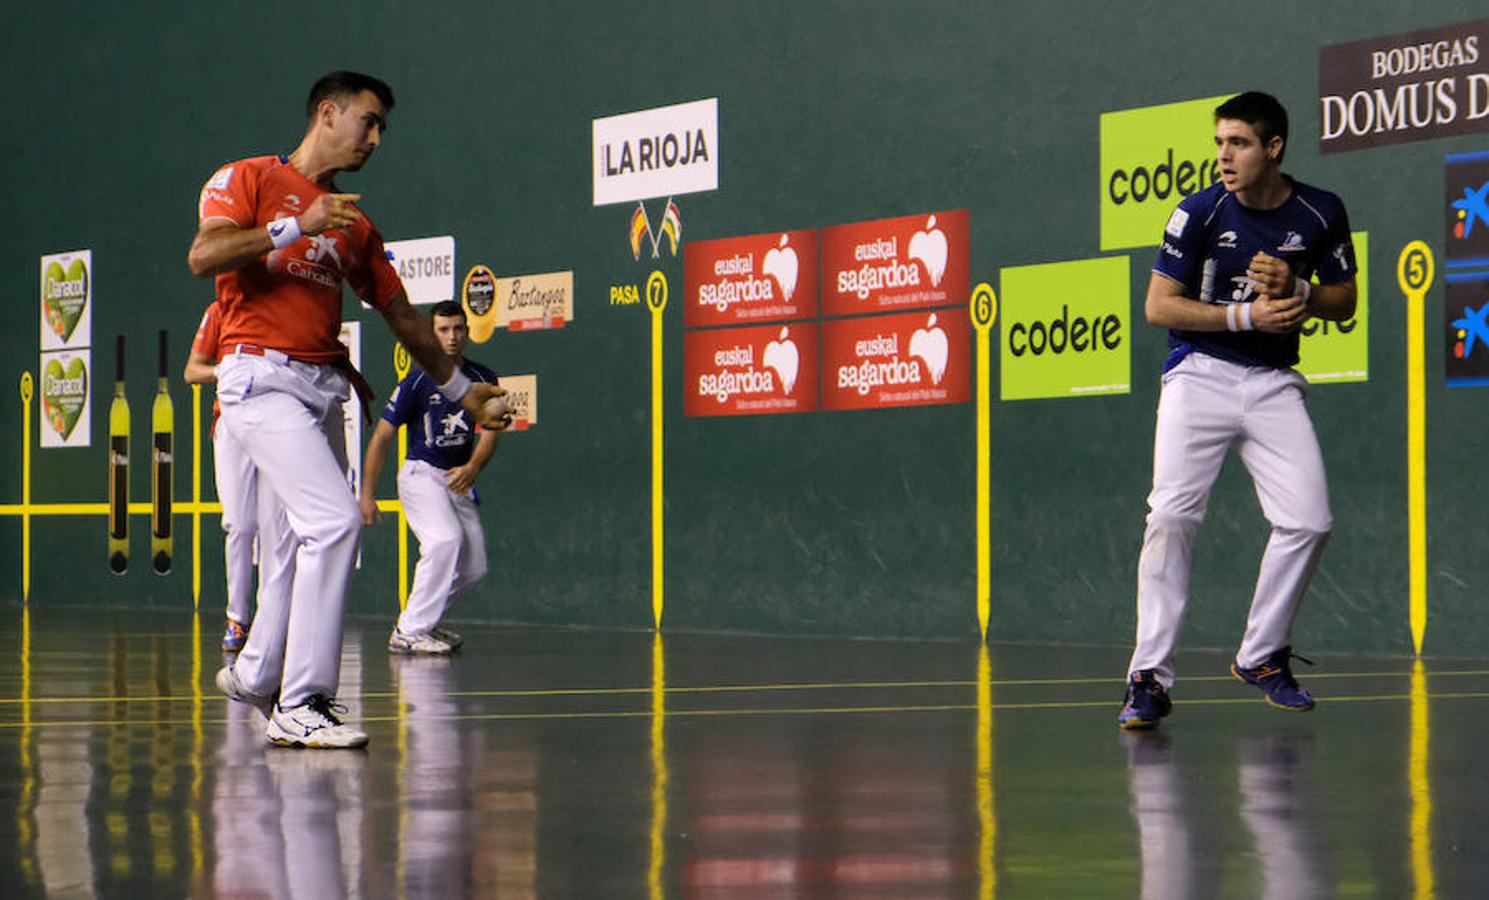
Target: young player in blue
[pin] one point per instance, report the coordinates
(437, 488)
(1232, 286)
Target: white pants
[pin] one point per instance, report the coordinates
(452, 547)
(237, 489)
(287, 418)
(1206, 406)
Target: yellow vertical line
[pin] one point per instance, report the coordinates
(988, 823)
(400, 864)
(402, 365)
(402, 527)
(656, 301)
(198, 742)
(984, 307)
(659, 772)
(1420, 785)
(27, 391)
(1414, 271)
(196, 495)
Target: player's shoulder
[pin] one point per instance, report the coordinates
(1194, 212)
(1324, 203)
(473, 368)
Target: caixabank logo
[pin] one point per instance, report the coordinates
(1151, 158)
(908, 262)
(751, 371)
(908, 359)
(1466, 205)
(759, 278)
(1066, 329)
(1467, 312)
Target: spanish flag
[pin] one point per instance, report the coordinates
(639, 228)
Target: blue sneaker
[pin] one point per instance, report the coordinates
(234, 637)
(1275, 678)
(1146, 703)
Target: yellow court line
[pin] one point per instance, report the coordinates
(766, 711)
(762, 688)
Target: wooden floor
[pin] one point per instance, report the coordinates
(551, 763)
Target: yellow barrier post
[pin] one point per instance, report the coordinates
(1414, 274)
(984, 305)
(656, 301)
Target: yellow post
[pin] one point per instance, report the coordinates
(196, 496)
(28, 390)
(984, 312)
(1414, 274)
(402, 363)
(656, 301)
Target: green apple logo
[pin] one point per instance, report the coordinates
(64, 295)
(64, 393)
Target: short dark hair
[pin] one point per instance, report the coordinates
(447, 308)
(1261, 111)
(344, 84)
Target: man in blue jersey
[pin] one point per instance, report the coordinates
(1232, 285)
(437, 488)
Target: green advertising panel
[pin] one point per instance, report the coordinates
(1066, 329)
(1338, 351)
(1151, 158)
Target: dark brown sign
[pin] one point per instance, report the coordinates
(1404, 87)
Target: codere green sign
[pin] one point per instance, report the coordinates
(1066, 329)
(1151, 158)
(1339, 351)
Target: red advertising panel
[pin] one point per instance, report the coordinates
(908, 359)
(743, 280)
(893, 264)
(750, 371)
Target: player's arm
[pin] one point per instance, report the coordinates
(460, 478)
(1167, 307)
(372, 467)
(415, 333)
(1275, 278)
(222, 245)
(199, 369)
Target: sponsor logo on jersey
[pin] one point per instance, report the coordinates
(1293, 243)
(1226, 239)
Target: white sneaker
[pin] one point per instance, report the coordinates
(313, 724)
(425, 644)
(452, 638)
(229, 683)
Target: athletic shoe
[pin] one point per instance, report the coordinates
(1275, 678)
(313, 724)
(229, 684)
(1146, 703)
(417, 644)
(234, 637)
(452, 638)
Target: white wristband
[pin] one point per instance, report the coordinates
(458, 386)
(1302, 289)
(283, 232)
(1246, 317)
(1230, 317)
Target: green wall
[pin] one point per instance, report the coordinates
(852, 522)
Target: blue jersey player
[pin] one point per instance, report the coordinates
(436, 485)
(1232, 283)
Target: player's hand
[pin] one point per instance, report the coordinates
(330, 211)
(1270, 275)
(370, 513)
(461, 478)
(474, 402)
(1278, 316)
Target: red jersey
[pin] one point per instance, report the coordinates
(290, 299)
(208, 340)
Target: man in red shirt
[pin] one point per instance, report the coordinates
(280, 238)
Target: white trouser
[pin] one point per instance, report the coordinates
(236, 490)
(287, 417)
(1206, 406)
(452, 547)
